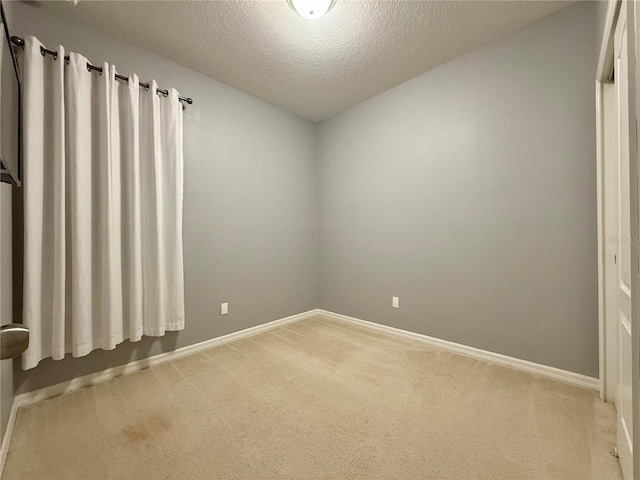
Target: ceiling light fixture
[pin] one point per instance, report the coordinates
(311, 9)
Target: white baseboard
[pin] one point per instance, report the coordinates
(558, 374)
(99, 377)
(6, 439)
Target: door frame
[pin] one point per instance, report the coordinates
(604, 76)
(604, 79)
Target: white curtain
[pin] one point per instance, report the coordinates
(103, 170)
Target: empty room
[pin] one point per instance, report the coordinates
(319, 239)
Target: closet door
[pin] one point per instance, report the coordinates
(627, 212)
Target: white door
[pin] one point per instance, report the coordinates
(624, 271)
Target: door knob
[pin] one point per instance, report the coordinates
(14, 339)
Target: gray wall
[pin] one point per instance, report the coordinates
(601, 16)
(250, 212)
(6, 280)
(470, 193)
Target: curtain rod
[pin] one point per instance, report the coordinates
(19, 42)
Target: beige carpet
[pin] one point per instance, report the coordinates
(318, 399)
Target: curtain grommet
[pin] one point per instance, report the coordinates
(42, 52)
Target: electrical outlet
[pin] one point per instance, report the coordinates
(395, 302)
(224, 308)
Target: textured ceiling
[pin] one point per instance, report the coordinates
(317, 68)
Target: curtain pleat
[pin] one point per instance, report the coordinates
(103, 188)
(129, 137)
(59, 220)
